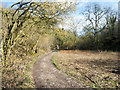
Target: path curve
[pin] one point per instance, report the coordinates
(46, 75)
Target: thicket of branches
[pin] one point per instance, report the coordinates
(102, 32)
(40, 16)
(27, 29)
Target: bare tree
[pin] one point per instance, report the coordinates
(95, 16)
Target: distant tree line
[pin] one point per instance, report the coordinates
(101, 32)
(31, 27)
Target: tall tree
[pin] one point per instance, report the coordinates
(32, 13)
(110, 35)
(95, 16)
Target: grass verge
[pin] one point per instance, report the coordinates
(53, 61)
(18, 74)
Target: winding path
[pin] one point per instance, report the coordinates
(46, 75)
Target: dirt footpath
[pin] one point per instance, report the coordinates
(46, 75)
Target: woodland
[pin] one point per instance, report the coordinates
(31, 29)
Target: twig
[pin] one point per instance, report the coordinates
(90, 79)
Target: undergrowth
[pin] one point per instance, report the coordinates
(18, 74)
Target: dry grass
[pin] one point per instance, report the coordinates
(18, 72)
(96, 69)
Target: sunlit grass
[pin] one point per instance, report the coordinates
(90, 67)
